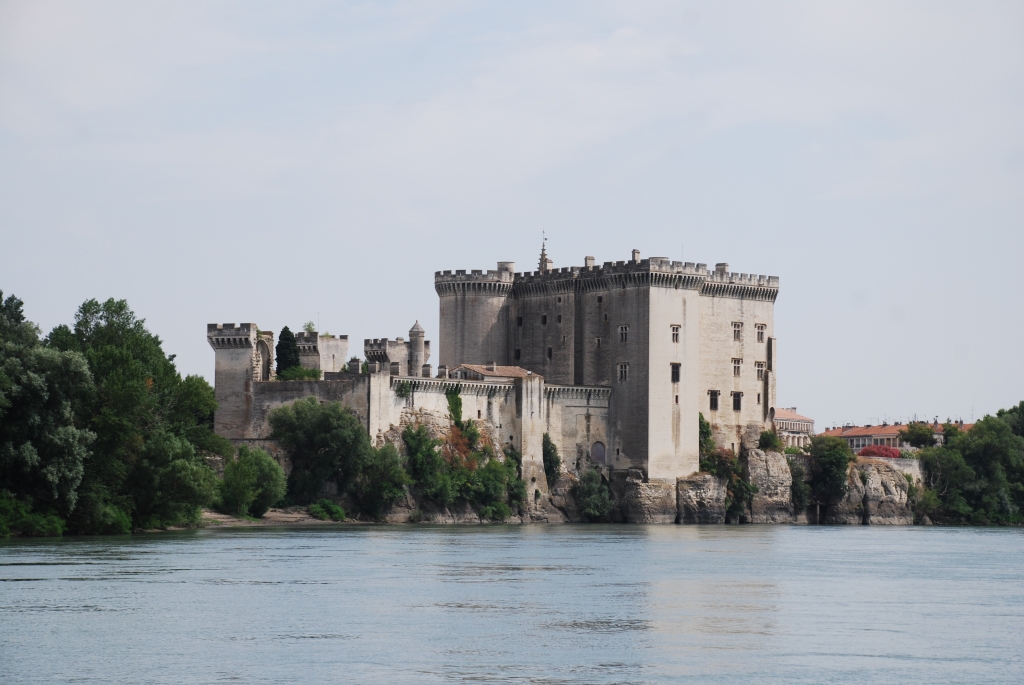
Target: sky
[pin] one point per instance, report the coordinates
(277, 163)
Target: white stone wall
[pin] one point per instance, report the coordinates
(333, 353)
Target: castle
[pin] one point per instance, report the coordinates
(613, 362)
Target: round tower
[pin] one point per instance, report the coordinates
(474, 315)
(416, 356)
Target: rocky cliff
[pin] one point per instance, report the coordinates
(701, 499)
(648, 502)
(773, 501)
(877, 495)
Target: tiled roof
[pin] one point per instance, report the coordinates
(875, 431)
(787, 415)
(499, 371)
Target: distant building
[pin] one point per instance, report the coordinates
(793, 429)
(886, 434)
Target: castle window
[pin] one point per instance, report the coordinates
(760, 332)
(563, 339)
(736, 363)
(559, 318)
(737, 330)
(478, 413)
(737, 401)
(598, 342)
(675, 373)
(713, 395)
(600, 299)
(519, 353)
(519, 321)
(605, 317)
(760, 372)
(544, 320)
(677, 399)
(623, 372)
(759, 398)
(675, 334)
(623, 333)
(549, 353)
(559, 300)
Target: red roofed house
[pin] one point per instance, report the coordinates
(886, 434)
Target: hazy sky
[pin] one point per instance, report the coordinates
(280, 162)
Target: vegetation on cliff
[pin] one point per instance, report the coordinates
(830, 459)
(552, 462)
(97, 427)
(593, 497)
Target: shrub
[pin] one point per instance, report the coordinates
(707, 441)
(552, 462)
(381, 480)
(403, 389)
(17, 517)
(327, 443)
(593, 496)
(831, 457)
(793, 450)
(770, 442)
(298, 373)
(800, 490)
(879, 451)
(722, 463)
(252, 484)
(326, 510)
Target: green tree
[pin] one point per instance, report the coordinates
(800, 491)
(918, 434)
(552, 462)
(593, 496)
(43, 444)
(707, 440)
(150, 424)
(287, 351)
(252, 483)
(381, 480)
(309, 327)
(1014, 418)
(327, 443)
(830, 463)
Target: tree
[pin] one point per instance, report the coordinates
(1014, 418)
(918, 435)
(43, 446)
(252, 483)
(150, 425)
(707, 440)
(381, 480)
(309, 327)
(286, 351)
(830, 462)
(800, 491)
(770, 442)
(593, 496)
(552, 462)
(327, 443)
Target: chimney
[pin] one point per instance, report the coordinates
(636, 255)
(492, 366)
(506, 267)
(588, 262)
(721, 268)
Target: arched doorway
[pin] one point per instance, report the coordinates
(597, 452)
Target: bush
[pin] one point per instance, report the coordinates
(707, 441)
(800, 490)
(252, 484)
(879, 451)
(793, 450)
(552, 462)
(298, 373)
(17, 518)
(593, 496)
(831, 457)
(723, 464)
(326, 510)
(770, 442)
(381, 481)
(327, 443)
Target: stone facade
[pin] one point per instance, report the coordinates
(660, 334)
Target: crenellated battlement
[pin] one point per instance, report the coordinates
(230, 336)
(308, 343)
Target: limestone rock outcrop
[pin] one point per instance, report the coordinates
(877, 495)
(773, 501)
(562, 503)
(701, 499)
(648, 502)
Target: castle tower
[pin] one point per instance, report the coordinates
(474, 315)
(416, 351)
(242, 355)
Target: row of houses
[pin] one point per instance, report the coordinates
(796, 431)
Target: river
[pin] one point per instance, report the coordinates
(537, 604)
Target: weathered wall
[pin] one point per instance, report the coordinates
(333, 353)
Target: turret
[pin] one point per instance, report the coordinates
(474, 315)
(243, 354)
(416, 358)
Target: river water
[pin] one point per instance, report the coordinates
(538, 604)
